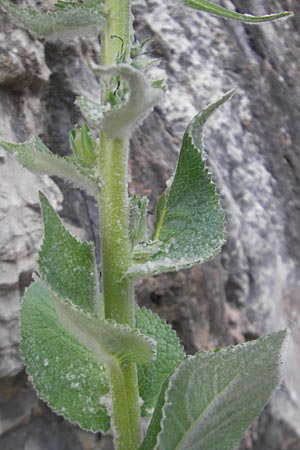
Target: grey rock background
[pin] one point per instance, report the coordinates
(253, 150)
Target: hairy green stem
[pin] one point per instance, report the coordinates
(118, 34)
(115, 242)
(115, 245)
(117, 288)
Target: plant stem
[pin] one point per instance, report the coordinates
(115, 242)
(118, 33)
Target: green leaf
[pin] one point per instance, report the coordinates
(154, 427)
(67, 22)
(212, 8)
(66, 264)
(109, 341)
(137, 218)
(66, 349)
(36, 157)
(64, 4)
(169, 353)
(84, 147)
(64, 372)
(213, 397)
(190, 222)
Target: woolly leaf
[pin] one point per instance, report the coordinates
(109, 341)
(67, 22)
(120, 121)
(36, 157)
(190, 222)
(212, 8)
(213, 397)
(66, 264)
(93, 112)
(63, 371)
(169, 353)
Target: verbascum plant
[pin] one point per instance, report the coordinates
(92, 354)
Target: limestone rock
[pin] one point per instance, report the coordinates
(20, 237)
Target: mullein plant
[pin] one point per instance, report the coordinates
(92, 354)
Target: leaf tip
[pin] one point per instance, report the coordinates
(231, 92)
(42, 197)
(45, 204)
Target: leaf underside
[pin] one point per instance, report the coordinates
(63, 371)
(212, 8)
(190, 222)
(213, 397)
(119, 122)
(36, 157)
(110, 342)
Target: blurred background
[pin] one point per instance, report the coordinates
(253, 150)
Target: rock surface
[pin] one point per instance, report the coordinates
(20, 237)
(253, 151)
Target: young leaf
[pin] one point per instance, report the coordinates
(93, 112)
(213, 397)
(66, 264)
(67, 22)
(36, 157)
(84, 147)
(137, 218)
(119, 122)
(212, 8)
(190, 222)
(65, 373)
(169, 353)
